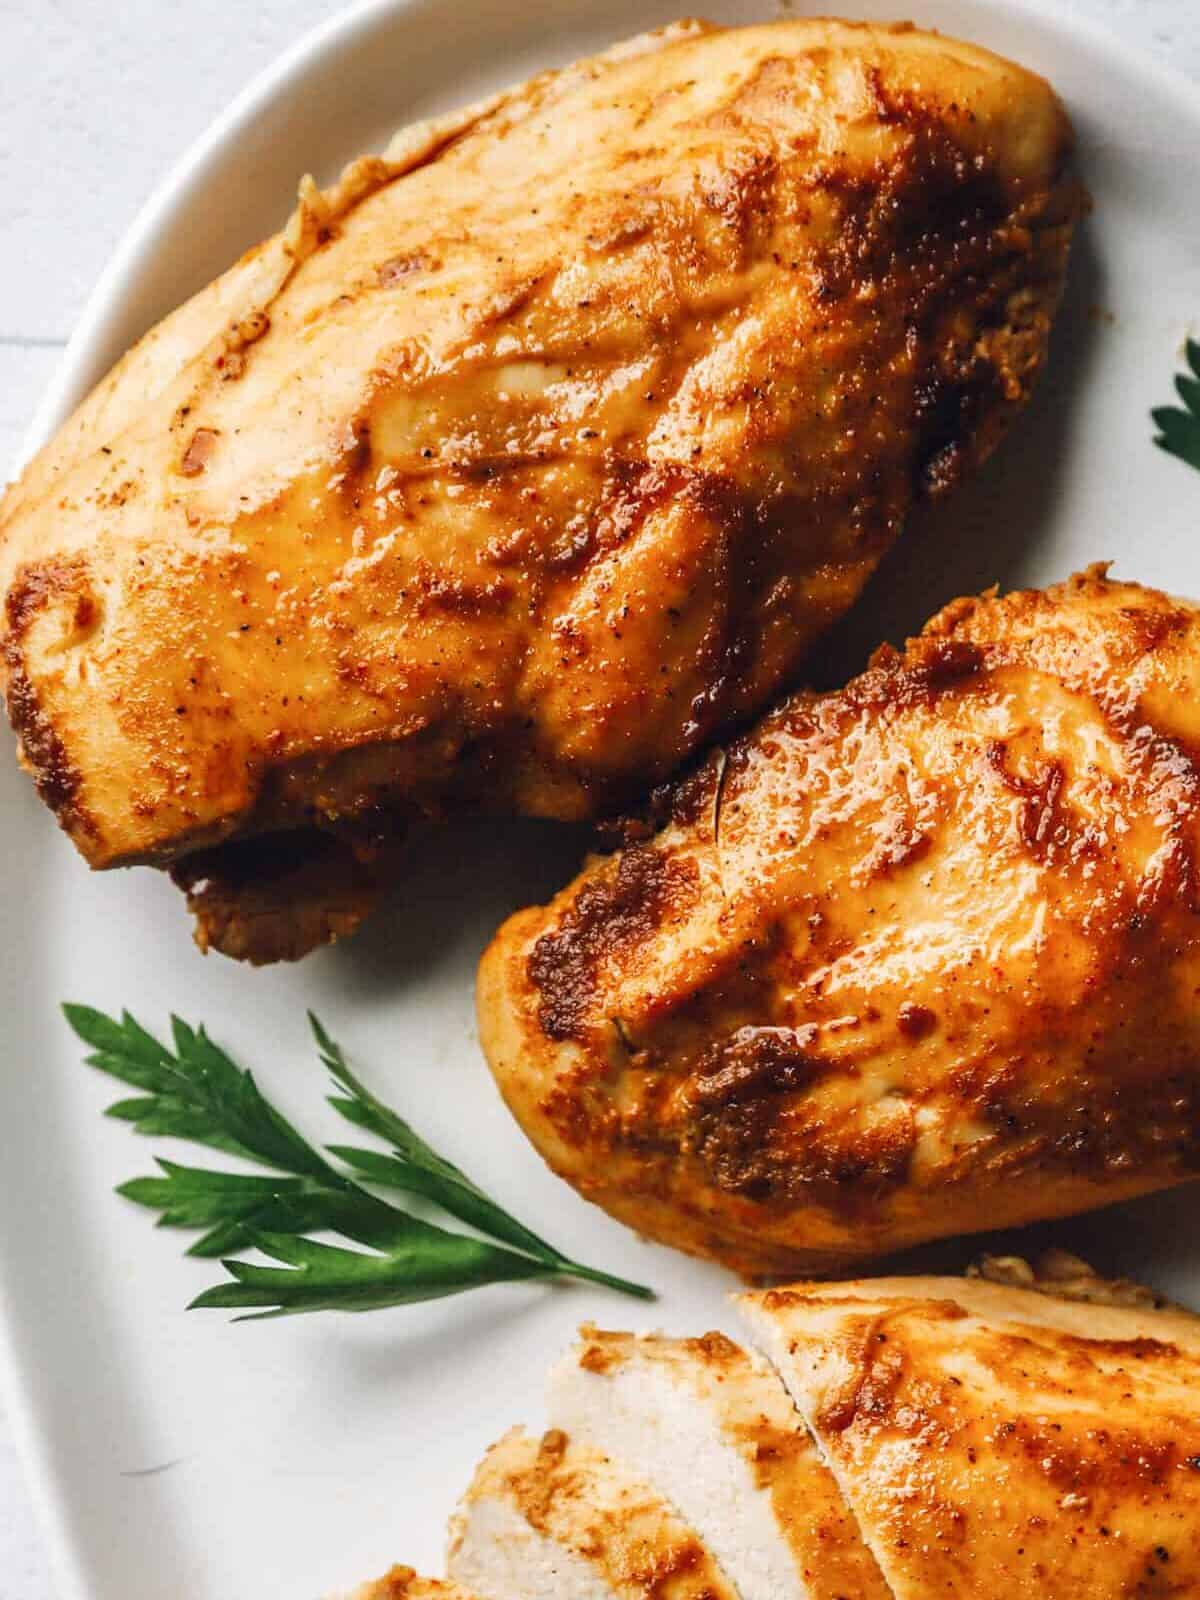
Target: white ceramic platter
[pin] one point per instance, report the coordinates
(175, 1453)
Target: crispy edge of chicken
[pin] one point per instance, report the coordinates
(1027, 1433)
(496, 480)
(913, 959)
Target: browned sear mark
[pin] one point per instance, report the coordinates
(615, 913)
(198, 453)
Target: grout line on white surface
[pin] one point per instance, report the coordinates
(22, 341)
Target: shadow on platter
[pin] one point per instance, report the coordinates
(457, 884)
(1150, 1240)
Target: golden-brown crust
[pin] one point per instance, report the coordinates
(936, 968)
(1066, 1277)
(275, 897)
(42, 751)
(498, 481)
(996, 1439)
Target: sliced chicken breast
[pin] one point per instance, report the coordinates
(713, 1429)
(557, 1520)
(997, 1439)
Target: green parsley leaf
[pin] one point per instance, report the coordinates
(194, 1091)
(1179, 426)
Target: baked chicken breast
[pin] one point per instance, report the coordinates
(991, 1439)
(917, 958)
(1026, 1431)
(526, 457)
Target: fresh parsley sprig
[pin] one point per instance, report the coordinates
(194, 1091)
(1179, 426)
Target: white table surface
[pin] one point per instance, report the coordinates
(98, 102)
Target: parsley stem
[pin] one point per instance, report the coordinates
(638, 1291)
